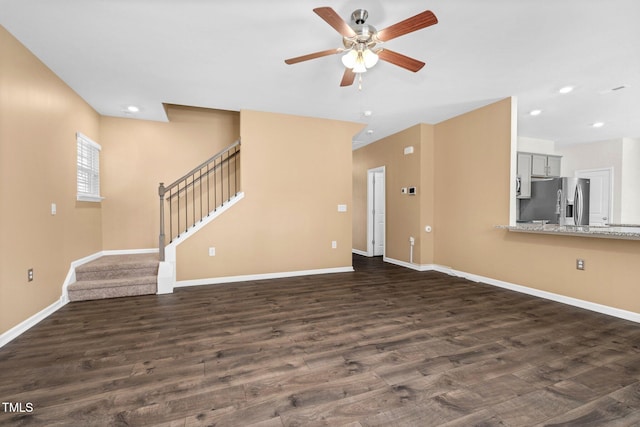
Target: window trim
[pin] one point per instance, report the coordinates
(94, 169)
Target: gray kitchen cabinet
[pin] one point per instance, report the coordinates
(523, 183)
(553, 165)
(544, 165)
(538, 165)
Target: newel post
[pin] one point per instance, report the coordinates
(161, 245)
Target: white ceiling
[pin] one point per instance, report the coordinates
(229, 54)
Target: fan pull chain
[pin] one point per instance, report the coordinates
(359, 81)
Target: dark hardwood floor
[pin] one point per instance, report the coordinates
(382, 346)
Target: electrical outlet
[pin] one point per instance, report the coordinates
(334, 244)
(580, 264)
(30, 275)
(212, 251)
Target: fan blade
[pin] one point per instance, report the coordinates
(348, 77)
(332, 18)
(409, 25)
(312, 56)
(400, 60)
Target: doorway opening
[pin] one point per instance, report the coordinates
(376, 212)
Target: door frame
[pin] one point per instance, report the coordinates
(370, 208)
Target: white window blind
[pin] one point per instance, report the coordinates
(88, 164)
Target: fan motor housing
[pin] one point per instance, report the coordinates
(365, 33)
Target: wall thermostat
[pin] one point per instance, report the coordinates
(412, 191)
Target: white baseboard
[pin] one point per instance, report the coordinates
(22, 327)
(587, 305)
(417, 267)
(265, 276)
(359, 252)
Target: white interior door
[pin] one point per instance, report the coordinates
(376, 211)
(599, 194)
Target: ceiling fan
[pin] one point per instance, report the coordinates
(360, 42)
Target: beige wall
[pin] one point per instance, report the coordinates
(472, 187)
(427, 195)
(139, 154)
(470, 162)
(39, 118)
(405, 215)
(295, 172)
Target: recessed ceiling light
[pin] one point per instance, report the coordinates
(133, 109)
(597, 124)
(565, 89)
(370, 132)
(367, 113)
(535, 112)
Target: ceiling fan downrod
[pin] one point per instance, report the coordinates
(359, 16)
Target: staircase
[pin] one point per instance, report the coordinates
(190, 202)
(115, 276)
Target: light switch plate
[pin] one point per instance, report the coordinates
(342, 208)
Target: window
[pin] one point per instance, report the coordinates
(88, 169)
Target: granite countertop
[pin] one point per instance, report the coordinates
(608, 232)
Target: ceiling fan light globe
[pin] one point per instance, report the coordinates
(370, 58)
(350, 59)
(360, 67)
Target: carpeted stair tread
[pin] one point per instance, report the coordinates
(113, 283)
(116, 273)
(129, 262)
(104, 293)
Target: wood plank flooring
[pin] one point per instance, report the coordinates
(383, 346)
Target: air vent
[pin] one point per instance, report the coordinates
(614, 89)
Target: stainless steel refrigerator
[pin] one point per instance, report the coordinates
(563, 201)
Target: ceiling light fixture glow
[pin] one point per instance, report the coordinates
(565, 90)
(598, 124)
(360, 59)
(535, 112)
(133, 109)
(370, 58)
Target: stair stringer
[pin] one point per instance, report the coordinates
(167, 269)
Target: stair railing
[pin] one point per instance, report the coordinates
(198, 193)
